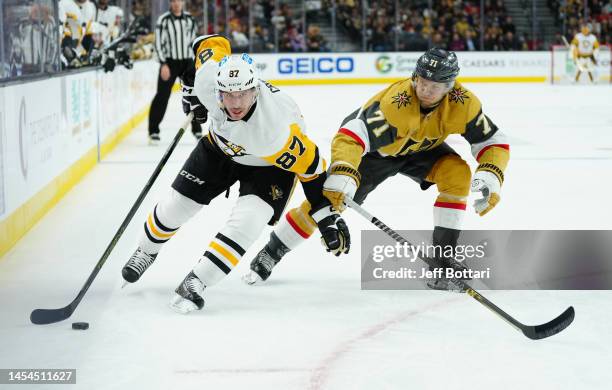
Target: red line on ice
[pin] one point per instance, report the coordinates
(322, 371)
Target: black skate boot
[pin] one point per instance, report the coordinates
(137, 265)
(188, 295)
(261, 268)
(444, 237)
(266, 259)
(443, 283)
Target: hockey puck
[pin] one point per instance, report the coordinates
(80, 325)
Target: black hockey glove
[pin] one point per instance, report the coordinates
(108, 64)
(335, 235)
(190, 101)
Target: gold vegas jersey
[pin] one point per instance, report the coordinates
(585, 44)
(272, 133)
(392, 124)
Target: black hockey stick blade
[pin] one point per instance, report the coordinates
(551, 328)
(535, 332)
(49, 316)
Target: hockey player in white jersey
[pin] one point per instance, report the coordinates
(76, 18)
(109, 18)
(585, 49)
(257, 137)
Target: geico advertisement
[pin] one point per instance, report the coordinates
(400, 64)
(304, 65)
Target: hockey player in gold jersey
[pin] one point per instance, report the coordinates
(402, 130)
(585, 48)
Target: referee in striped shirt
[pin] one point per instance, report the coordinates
(174, 32)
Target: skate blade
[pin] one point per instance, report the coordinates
(182, 305)
(252, 278)
(444, 286)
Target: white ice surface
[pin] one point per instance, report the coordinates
(311, 327)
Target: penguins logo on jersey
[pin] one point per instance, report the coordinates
(275, 192)
(231, 149)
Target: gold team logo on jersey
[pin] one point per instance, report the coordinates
(457, 95)
(236, 149)
(275, 192)
(402, 99)
(413, 146)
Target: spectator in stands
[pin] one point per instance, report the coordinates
(457, 44)
(510, 42)
(508, 25)
(379, 40)
(491, 42)
(461, 27)
(238, 39)
(470, 43)
(438, 41)
(569, 14)
(316, 42)
(261, 40)
(413, 40)
(523, 42)
(293, 41)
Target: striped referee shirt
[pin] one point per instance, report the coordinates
(173, 36)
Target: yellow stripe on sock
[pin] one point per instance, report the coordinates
(227, 254)
(154, 230)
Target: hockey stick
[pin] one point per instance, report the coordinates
(565, 42)
(48, 316)
(534, 332)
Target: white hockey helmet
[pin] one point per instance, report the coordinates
(236, 73)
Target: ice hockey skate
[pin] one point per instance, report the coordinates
(261, 268)
(137, 265)
(444, 283)
(188, 296)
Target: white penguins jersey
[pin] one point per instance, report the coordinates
(273, 131)
(585, 44)
(71, 18)
(109, 19)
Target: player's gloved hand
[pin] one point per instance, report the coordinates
(335, 235)
(108, 64)
(191, 103)
(489, 185)
(342, 181)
